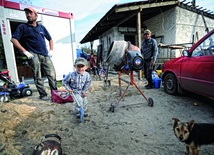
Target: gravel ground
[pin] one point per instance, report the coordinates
(133, 129)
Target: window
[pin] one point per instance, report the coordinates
(205, 48)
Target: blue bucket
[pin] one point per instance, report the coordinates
(157, 82)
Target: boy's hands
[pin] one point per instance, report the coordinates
(83, 94)
(70, 91)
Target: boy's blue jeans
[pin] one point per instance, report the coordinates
(82, 101)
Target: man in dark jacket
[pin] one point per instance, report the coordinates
(33, 45)
(149, 51)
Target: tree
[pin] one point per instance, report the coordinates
(88, 50)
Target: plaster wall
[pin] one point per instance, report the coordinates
(107, 38)
(175, 26)
(189, 24)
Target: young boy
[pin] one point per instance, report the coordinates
(78, 83)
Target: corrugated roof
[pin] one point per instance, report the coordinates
(124, 15)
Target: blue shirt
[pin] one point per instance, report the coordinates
(77, 82)
(33, 38)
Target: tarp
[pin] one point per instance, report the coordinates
(81, 53)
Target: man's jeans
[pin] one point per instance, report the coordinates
(43, 64)
(148, 71)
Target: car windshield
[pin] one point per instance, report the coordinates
(205, 48)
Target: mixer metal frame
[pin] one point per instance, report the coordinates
(130, 83)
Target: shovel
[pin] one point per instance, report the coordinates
(81, 111)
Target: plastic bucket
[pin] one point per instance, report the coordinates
(157, 82)
(159, 72)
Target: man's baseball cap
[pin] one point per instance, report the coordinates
(30, 9)
(147, 31)
(81, 61)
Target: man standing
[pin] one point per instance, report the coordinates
(149, 51)
(32, 36)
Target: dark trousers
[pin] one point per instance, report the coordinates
(43, 64)
(148, 71)
(95, 70)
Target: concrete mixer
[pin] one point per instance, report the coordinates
(123, 57)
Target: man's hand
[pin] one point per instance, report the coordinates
(152, 63)
(50, 53)
(28, 54)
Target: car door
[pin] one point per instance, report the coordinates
(197, 71)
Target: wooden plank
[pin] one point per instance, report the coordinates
(145, 6)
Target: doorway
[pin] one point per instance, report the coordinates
(130, 38)
(23, 69)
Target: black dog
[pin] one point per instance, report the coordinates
(193, 134)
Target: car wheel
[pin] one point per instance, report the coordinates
(170, 84)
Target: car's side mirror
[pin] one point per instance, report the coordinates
(185, 53)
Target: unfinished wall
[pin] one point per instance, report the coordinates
(163, 26)
(190, 24)
(173, 27)
(177, 26)
(106, 39)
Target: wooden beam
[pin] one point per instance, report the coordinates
(114, 17)
(145, 6)
(139, 28)
(127, 18)
(139, 37)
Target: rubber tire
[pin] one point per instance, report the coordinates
(5, 98)
(150, 102)
(170, 84)
(26, 92)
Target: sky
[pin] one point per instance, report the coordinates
(87, 13)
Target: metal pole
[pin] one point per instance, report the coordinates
(139, 37)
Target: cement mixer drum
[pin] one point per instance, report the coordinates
(117, 54)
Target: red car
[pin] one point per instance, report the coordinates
(194, 71)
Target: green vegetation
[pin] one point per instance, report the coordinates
(88, 50)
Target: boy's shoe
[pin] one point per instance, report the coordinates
(85, 114)
(44, 98)
(78, 115)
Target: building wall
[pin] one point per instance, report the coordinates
(163, 26)
(106, 39)
(175, 26)
(189, 24)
